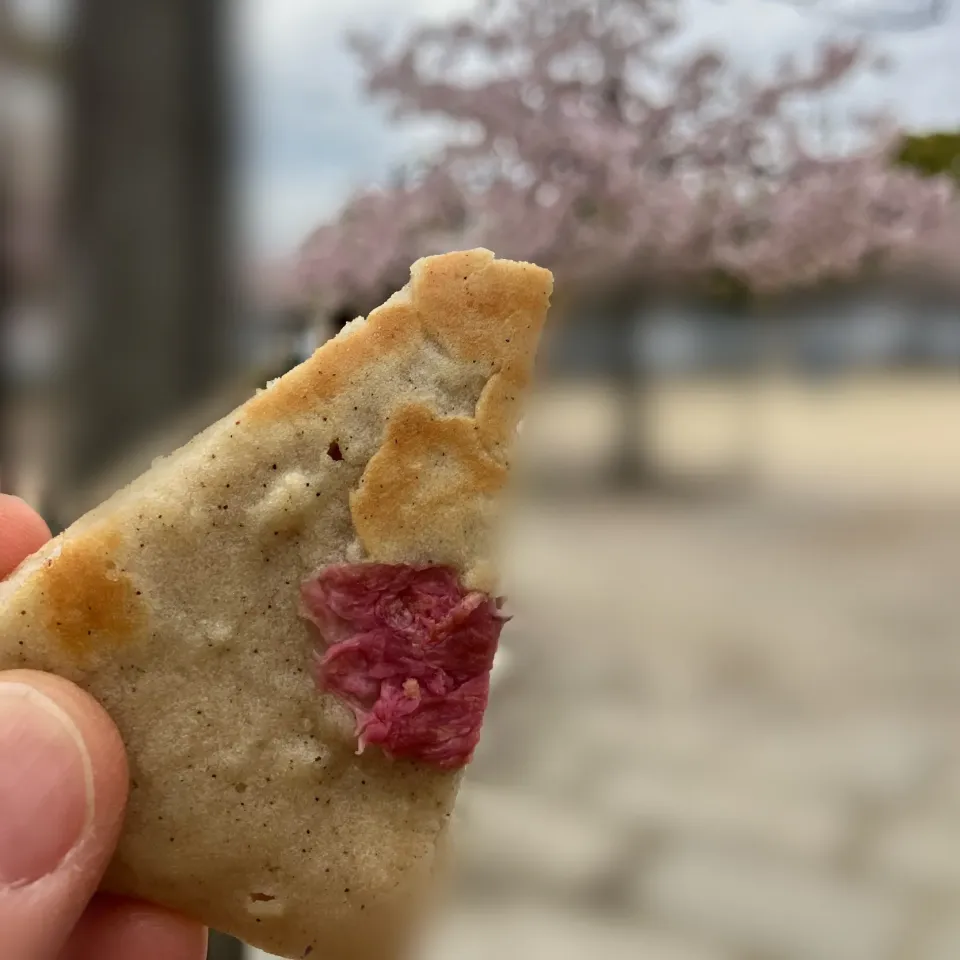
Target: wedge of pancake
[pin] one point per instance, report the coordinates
(176, 604)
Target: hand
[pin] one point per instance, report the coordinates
(63, 790)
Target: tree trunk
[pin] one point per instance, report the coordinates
(755, 390)
(149, 272)
(632, 465)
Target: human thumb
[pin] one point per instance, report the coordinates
(63, 789)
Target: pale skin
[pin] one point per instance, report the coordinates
(55, 844)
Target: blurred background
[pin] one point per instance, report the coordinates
(724, 719)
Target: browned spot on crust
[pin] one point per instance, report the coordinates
(479, 309)
(88, 602)
(322, 377)
(482, 309)
(426, 486)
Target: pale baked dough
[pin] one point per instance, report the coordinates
(175, 604)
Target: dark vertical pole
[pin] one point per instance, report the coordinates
(224, 948)
(149, 279)
(631, 377)
(6, 276)
(209, 326)
(7, 480)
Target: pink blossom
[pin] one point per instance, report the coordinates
(578, 165)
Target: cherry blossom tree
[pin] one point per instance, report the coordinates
(581, 131)
(348, 265)
(841, 219)
(582, 140)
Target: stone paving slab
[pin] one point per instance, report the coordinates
(523, 840)
(772, 907)
(922, 848)
(943, 941)
(724, 809)
(525, 931)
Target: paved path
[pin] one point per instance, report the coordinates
(719, 734)
(722, 735)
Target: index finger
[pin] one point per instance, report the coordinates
(22, 531)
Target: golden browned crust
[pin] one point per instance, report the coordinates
(480, 310)
(427, 490)
(176, 605)
(88, 602)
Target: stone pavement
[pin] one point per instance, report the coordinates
(720, 733)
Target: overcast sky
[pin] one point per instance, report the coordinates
(311, 137)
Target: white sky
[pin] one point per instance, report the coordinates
(310, 137)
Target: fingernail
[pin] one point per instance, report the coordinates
(46, 784)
